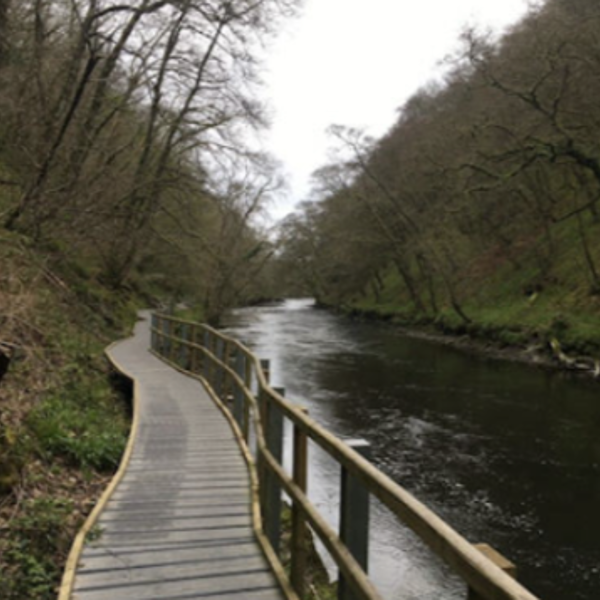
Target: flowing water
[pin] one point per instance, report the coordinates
(507, 454)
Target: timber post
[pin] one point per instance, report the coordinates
(263, 400)
(195, 352)
(272, 496)
(153, 335)
(172, 342)
(248, 382)
(354, 517)
(205, 358)
(166, 338)
(229, 363)
(265, 365)
(238, 393)
(220, 352)
(500, 561)
(298, 542)
(183, 347)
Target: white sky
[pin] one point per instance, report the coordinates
(354, 62)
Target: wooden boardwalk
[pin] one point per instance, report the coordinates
(178, 526)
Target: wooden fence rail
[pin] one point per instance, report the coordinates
(237, 375)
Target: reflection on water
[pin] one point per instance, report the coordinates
(507, 454)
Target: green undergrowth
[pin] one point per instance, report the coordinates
(35, 537)
(519, 303)
(69, 443)
(80, 422)
(63, 421)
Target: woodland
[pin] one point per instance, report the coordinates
(478, 212)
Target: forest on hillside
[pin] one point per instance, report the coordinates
(480, 207)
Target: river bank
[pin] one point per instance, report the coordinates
(514, 344)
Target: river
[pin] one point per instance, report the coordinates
(507, 454)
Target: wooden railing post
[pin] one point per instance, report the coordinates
(354, 518)
(193, 350)
(272, 495)
(248, 381)
(173, 344)
(166, 339)
(238, 394)
(228, 385)
(500, 561)
(220, 374)
(159, 337)
(298, 541)
(205, 359)
(153, 320)
(265, 365)
(183, 348)
(261, 397)
(212, 371)
(263, 401)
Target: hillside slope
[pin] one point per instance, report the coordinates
(63, 424)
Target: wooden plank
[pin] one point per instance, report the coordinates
(354, 518)
(179, 524)
(272, 492)
(299, 535)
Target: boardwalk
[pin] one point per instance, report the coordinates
(179, 523)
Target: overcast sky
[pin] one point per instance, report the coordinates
(355, 62)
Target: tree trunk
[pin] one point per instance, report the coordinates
(36, 188)
(427, 275)
(409, 282)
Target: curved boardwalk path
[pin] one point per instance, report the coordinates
(179, 523)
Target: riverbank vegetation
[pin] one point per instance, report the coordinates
(478, 212)
(126, 180)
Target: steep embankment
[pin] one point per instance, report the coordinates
(63, 424)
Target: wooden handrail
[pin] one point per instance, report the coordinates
(479, 572)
